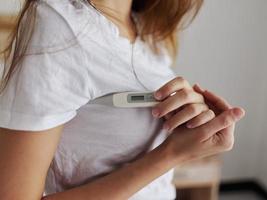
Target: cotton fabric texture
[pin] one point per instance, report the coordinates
(76, 55)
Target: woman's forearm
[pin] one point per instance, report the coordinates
(123, 182)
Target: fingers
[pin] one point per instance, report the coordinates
(169, 115)
(225, 119)
(203, 118)
(182, 97)
(216, 110)
(217, 101)
(184, 115)
(170, 87)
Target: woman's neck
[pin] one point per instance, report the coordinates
(118, 11)
(120, 8)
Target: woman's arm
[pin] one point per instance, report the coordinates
(25, 158)
(124, 182)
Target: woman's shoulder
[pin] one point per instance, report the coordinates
(58, 24)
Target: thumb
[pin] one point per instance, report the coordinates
(222, 121)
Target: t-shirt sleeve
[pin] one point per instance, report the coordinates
(47, 88)
(45, 91)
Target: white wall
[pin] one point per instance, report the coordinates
(9, 6)
(225, 50)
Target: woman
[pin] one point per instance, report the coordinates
(64, 54)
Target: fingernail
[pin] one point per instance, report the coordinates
(155, 112)
(239, 112)
(189, 125)
(158, 95)
(166, 127)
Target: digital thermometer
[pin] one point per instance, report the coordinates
(127, 99)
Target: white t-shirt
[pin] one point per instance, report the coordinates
(76, 55)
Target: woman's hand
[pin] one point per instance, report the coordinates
(213, 137)
(180, 104)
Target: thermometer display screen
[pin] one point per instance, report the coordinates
(138, 98)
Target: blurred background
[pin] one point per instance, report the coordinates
(225, 51)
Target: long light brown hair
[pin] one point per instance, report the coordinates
(161, 20)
